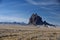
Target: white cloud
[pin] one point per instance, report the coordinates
(12, 19)
(43, 2)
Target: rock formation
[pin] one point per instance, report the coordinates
(35, 20)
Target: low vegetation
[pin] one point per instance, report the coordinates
(18, 32)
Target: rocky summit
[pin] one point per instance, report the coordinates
(35, 19)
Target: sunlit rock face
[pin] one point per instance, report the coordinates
(35, 20)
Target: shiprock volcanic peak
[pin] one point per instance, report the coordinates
(35, 19)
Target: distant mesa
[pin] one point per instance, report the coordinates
(35, 19)
(9, 23)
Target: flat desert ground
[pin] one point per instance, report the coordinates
(28, 32)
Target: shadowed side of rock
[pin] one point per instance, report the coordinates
(35, 20)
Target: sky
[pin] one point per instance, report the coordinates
(21, 10)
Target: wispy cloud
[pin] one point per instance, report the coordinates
(12, 19)
(53, 17)
(14, 10)
(12, 3)
(43, 2)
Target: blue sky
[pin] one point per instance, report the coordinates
(21, 10)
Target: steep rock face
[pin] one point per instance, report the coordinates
(35, 20)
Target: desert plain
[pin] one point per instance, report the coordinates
(28, 32)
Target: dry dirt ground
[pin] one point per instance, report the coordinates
(18, 32)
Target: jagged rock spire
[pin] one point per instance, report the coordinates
(35, 20)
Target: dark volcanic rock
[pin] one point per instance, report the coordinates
(35, 20)
(45, 23)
